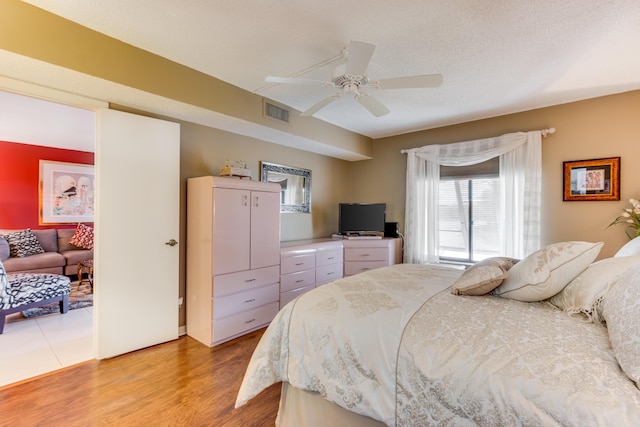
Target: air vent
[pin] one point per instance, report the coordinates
(276, 112)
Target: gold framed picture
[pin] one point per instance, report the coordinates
(596, 179)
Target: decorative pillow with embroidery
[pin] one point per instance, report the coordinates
(584, 294)
(621, 311)
(83, 237)
(547, 271)
(483, 277)
(23, 243)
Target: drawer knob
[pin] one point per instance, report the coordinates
(300, 263)
(299, 281)
(250, 300)
(366, 254)
(250, 321)
(250, 280)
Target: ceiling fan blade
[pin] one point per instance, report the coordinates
(290, 80)
(411, 82)
(358, 57)
(320, 105)
(374, 106)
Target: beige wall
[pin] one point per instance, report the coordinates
(597, 128)
(203, 151)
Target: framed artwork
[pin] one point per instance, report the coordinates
(597, 179)
(66, 192)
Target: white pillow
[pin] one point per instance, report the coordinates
(621, 310)
(630, 248)
(585, 293)
(547, 271)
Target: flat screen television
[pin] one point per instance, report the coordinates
(361, 218)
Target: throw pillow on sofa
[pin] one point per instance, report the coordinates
(83, 237)
(5, 253)
(23, 243)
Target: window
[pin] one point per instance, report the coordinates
(468, 213)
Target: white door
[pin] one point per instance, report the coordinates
(137, 213)
(265, 229)
(231, 234)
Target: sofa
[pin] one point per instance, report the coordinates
(58, 256)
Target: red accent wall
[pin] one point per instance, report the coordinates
(19, 180)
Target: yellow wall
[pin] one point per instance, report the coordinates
(597, 128)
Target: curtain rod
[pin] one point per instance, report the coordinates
(544, 133)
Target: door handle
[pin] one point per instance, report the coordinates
(171, 242)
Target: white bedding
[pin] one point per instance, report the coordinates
(394, 344)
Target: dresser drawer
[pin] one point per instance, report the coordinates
(297, 263)
(235, 303)
(328, 273)
(326, 257)
(237, 324)
(286, 297)
(297, 280)
(241, 281)
(351, 268)
(366, 254)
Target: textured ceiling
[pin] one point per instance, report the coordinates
(496, 57)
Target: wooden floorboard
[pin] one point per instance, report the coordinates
(180, 383)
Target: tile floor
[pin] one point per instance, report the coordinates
(31, 347)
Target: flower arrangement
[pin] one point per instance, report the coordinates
(631, 218)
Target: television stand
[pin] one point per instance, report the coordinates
(355, 236)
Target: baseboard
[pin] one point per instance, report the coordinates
(182, 330)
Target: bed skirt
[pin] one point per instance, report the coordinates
(302, 408)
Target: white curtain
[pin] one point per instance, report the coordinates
(520, 186)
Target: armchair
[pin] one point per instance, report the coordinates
(21, 291)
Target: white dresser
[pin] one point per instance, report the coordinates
(306, 264)
(233, 262)
(366, 254)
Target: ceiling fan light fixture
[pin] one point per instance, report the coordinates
(351, 78)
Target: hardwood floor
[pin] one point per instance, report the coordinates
(180, 383)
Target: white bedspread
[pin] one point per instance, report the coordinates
(394, 344)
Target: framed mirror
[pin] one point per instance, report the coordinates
(295, 186)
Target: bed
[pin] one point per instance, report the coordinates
(428, 345)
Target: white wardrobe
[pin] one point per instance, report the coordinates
(233, 257)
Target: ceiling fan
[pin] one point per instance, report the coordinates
(354, 80)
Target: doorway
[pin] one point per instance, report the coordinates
(163, 290)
